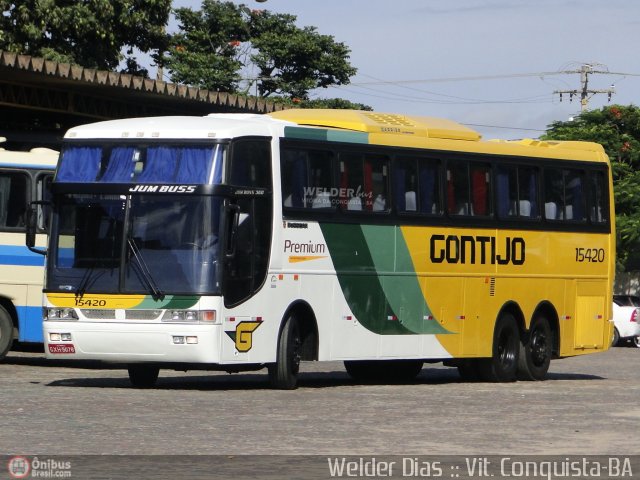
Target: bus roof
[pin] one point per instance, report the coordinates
(335, 125)
(35, 158)
(434, 133)
(224, 125)
(373, 122)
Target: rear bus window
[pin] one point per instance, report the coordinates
(598, 197)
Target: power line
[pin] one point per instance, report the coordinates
(459, 79)
(465, 100)
(480, 77)
(441, 99)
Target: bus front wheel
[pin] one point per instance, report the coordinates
(143, 376)
(502, 366)
(283, 374)
(6, 332)
(535, 352)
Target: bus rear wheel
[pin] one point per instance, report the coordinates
(6, 332)
(502, 366)
(383, 371)
(143, 376)
(535, 352)
(615, 339)
(283, 374)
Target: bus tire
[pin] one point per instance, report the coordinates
(143, 376)
(6, 332)
(536, 351)
(361, 370)
(502, 366)
(615, 339)
(283, 374)
(383, 371)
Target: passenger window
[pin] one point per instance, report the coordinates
(364, 182)
(416, 186)
(251, 164)
(307, 179)
(14, 198)
(468, 188)
(517, 192)
(564, 199)
(598, 197)
(458, 189)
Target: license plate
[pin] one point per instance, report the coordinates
(62, 348)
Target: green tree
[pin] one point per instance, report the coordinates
(91, 33)
(222, 42)
(337, 103)
(291, 60)
(617, 129)
(204, 52)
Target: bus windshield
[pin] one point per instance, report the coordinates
(141, 244)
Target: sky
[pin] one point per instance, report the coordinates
(492, 65)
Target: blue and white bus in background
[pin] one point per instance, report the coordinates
(24, 177)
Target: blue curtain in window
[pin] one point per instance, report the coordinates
(194, 165)
(502, 190)
(160, 165)
(533, 194)
(79, 164)
(399, 182)
(427, 187)
(120, 167)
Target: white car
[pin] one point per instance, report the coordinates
(626, 320)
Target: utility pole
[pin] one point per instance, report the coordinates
(585, 91)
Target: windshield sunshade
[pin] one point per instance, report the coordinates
(142, 164)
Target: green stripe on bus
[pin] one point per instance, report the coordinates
(402, 289)
(358, 280)
(170, 301)
(347, 136)
(305, 133)
(324, 135)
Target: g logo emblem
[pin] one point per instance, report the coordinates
(243, 335)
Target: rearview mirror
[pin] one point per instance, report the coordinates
(31, 221)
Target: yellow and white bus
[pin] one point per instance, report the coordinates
(24, 177)
(239, 242)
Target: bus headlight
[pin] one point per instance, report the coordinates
(190, 316)
(60, 314)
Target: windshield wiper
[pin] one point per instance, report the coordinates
(156, 293)
(86, 278)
